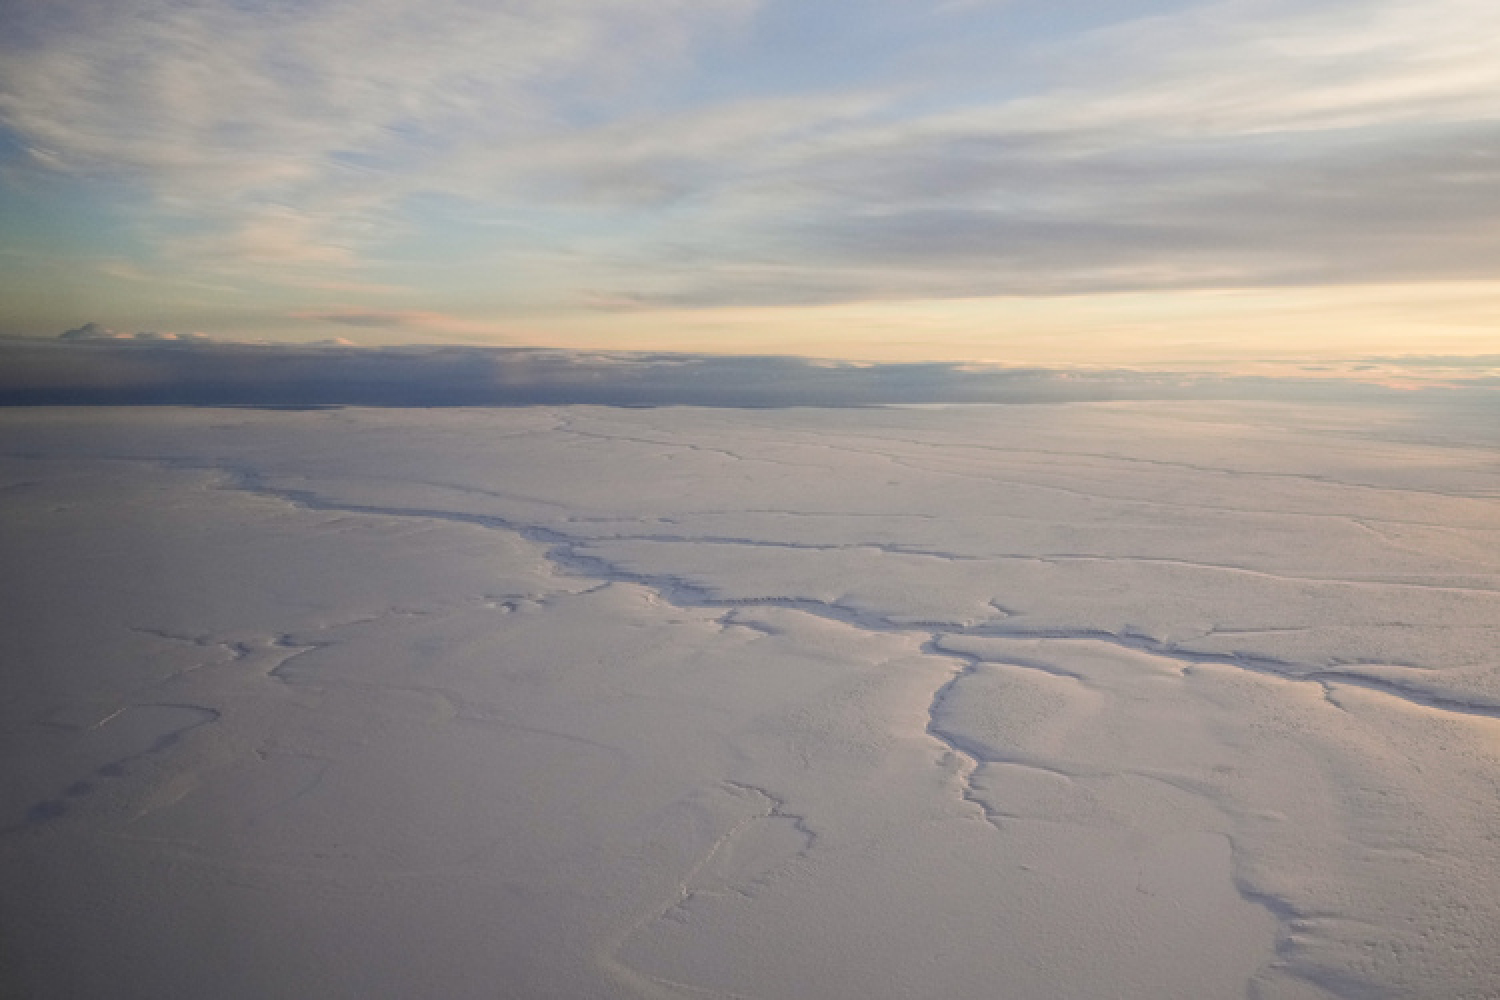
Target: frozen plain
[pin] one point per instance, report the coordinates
(1146, 700)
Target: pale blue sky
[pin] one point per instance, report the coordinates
(1002, 179)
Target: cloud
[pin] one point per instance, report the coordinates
(93, 331)
(936, 213)
(371, 318)
(1246, 66)
(90, 331)
(1228, 145)
(279, 128)
(104, 370)
(411, 320)
(1357, 209)
(1242, 143)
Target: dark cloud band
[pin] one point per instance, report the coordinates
(103, 370)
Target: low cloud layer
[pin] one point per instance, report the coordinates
(99, 368)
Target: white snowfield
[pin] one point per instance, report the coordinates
(1147, 700)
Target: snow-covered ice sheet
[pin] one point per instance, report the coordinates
(1098, 700)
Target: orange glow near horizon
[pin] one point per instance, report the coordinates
(1237, 328)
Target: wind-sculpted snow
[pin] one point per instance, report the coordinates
(1134, 700)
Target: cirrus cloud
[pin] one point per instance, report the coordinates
(526, 157)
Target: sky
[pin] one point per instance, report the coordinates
(1024, 181)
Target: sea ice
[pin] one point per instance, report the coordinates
(1133, 700)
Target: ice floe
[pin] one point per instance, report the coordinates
(1128, 700)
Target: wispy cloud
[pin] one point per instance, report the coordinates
(1275, 65)
(287, 131)
(1236, 144)
(418, 321)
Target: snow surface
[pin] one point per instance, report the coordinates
(1133, 700)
